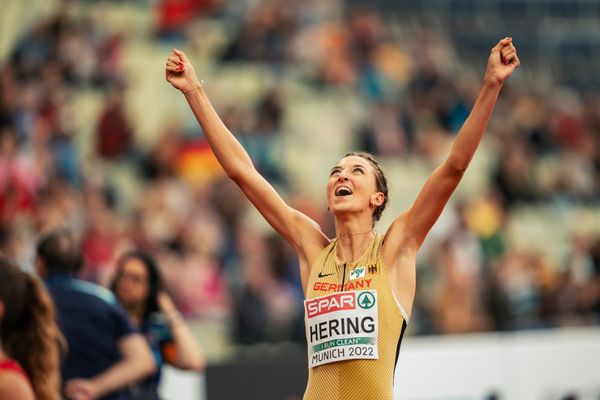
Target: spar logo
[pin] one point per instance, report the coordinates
(366, 300)
(331, 303)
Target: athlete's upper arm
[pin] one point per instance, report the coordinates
(295, 227)
(409, 230)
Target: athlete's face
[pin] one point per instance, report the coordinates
(133, 283)
(352, 186)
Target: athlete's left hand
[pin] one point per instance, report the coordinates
(502, 62)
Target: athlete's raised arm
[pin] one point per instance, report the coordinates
(407, 232)
(296, 228)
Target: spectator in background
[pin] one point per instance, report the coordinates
(105, 354)
(140, 289)
(114, 134)
(29, 359)
(590, 294)
(12, 244)
(173, 16)
(456, 301)
(267, 305)
(18, 179)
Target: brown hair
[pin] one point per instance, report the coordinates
(380, 180)
(60, 252)
(28, 329)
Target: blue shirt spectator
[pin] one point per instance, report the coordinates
(93, 323)
(105, 354)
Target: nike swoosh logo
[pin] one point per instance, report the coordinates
(322, 275)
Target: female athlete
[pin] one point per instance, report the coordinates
(359, 287)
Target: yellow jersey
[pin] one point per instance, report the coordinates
(354, 327)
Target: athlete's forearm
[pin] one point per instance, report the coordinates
(229, 152)
(470, 134)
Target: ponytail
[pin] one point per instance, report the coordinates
(29, 331)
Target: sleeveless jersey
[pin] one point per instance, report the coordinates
(354, 326)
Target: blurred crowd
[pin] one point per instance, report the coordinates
(218, 265)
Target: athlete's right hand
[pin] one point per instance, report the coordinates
(502, 62)
(180, 72)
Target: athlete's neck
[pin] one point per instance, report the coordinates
(352, 240)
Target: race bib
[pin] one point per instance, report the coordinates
(342, 326)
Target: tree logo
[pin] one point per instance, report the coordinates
(366, 300)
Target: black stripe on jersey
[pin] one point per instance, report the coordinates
(398, 346)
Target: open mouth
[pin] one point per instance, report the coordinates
(343, 191)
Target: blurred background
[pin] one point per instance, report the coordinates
(94, 139)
